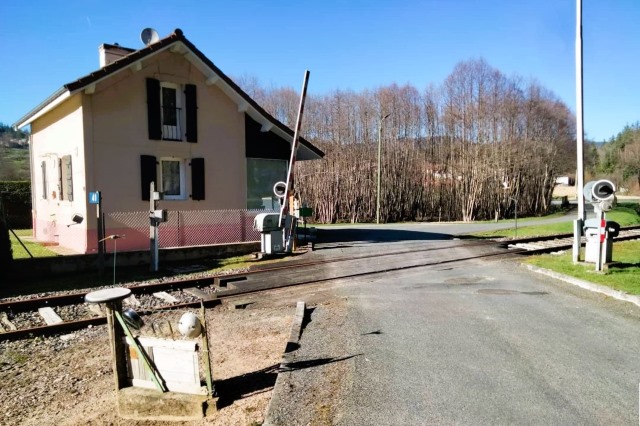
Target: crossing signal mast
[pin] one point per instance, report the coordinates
(278, 230)
(287, 221)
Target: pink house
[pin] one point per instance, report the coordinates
(163, 114)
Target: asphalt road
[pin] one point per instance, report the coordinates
(439, 230)
(479, 341)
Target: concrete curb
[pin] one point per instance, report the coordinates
(280, 385)
(616, 294)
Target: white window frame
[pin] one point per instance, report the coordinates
(171, 130)
(183, 177)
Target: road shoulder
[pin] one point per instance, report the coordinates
(597, 288)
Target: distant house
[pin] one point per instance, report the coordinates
(163, 114)
(565, 180)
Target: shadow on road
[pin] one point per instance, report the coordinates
(300, 365)
(235, 388)
(346, 235)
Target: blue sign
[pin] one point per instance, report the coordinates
(94, 197)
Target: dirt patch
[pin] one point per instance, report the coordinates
(67, 380)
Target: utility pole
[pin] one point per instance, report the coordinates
(579, 222)
(379, 164)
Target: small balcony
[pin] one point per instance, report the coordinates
(171, 124)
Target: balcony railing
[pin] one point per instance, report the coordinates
(171, 124)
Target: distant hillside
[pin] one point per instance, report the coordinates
(13, 138)
(14, 154)
(618, 159)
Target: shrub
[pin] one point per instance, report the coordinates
(6, 254)
(16, 196)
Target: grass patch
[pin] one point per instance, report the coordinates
(557, 212)
(35, 249)
(624, 215)
(624, 275)
(16, 357)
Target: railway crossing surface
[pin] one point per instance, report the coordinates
(469, 338)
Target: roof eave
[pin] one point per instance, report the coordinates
(45, 106)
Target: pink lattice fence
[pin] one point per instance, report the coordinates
(183, 229)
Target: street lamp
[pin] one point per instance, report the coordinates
(378, 181)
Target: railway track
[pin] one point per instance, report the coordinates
(563, 241)
(68, 312)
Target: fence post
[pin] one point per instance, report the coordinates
(243, 224)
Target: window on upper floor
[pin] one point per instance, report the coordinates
(172, 111)
(170, 105)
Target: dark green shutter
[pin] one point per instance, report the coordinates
(191, 112)
(197, 178)
(147, 175)
(153, 109)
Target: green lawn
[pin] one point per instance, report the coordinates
(624, 215)
(623, 275)
(36, 249)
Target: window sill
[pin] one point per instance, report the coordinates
(172, 140)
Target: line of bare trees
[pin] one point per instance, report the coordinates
(463, 150)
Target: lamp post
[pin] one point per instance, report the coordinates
(579, 222)
(378, 180)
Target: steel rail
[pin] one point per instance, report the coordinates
(73, 298)
(74, 325)
(217, 297)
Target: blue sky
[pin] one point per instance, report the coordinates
(345, 44)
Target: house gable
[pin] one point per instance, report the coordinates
(261, 144)
(94, 135)
(179, 44)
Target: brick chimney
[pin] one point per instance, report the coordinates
(112, 52)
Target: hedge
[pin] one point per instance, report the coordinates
(16, 199)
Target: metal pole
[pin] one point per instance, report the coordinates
(577, 234)
(379, 167)
(153, 229)
(115, 250)
(100, 231)
(601, 234)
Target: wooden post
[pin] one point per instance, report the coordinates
(205, 350)
(117, 346)
(112, 298)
